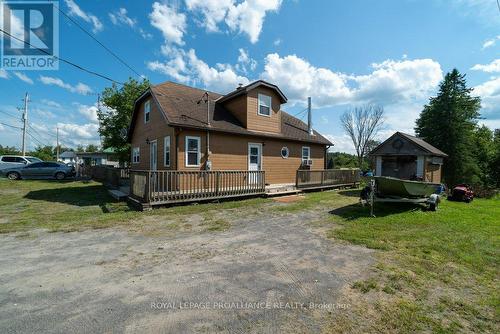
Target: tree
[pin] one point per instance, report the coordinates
(115, 117)
(484, 150)
(495, 160)
(448, 123)
(5, 150)
(80, 148)
(91, 148)
(45, 153)
(362, 124)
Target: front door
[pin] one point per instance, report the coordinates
(153, 155)
(254, 160)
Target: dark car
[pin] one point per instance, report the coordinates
(39, 170)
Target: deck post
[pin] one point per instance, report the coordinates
(147, 195)
(217, 183)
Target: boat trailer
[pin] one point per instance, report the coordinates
(431, 201)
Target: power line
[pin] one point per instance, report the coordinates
(64, 60)
(300, 112)
(38, 141)
(11, 126)
(9, 114)
(98, 42)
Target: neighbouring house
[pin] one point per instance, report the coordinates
(408, 157)
(105, 157)
(181, 128)
(68, 157)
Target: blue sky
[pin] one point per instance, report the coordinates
(342, 53)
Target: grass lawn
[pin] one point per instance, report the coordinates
(73, 205)
(434, 271)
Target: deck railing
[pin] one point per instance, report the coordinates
(112, 177)
(164, 187)
(325, 178)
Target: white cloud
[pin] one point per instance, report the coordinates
(3, 74)
(79, 134)
(121, 17)
(244, 17)
(171, 23)
(299, 79)
(277, 42)
(492, 67)
(245, 62)
(213, 11)
(23, 77)
(89, 112)
(186, 67)
(390, 81)
(75, 10)
(50, 103)
(489, 92)
(79, 88)
(491, 42)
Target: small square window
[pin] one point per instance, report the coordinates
(306, 154)
(264, 105)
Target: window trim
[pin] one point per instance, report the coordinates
(259, 104)
(186, 161)
(308, 153)
(166, 140)
(287, 152)
(148, 104)
(138, 150)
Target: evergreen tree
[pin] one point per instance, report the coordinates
(448, 123)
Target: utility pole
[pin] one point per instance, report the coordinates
(25, 122)
(309, 117)
(57, 147)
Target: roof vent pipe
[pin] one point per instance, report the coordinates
(309, 117)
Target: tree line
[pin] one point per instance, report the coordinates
(47, 153)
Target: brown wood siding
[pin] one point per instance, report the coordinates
(230, 152)
(156, 129)
(263, 123)
(432, 172)
(238, 107)
(407, 148)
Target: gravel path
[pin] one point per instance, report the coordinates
(269, 273)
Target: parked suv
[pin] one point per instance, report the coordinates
(12, 161)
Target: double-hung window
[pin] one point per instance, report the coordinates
(147, 111)
(166, 151)
(193, 151)
(264, 105)
(306, 154)
(135, 155)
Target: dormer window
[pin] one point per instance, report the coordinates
(264, 105)
(147, 111)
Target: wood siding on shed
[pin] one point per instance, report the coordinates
(156, 129)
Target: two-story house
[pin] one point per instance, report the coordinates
(176, 127)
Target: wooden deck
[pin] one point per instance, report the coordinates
(156, 188)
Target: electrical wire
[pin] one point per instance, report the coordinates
(9, 114)
(300, 112)
(64, 60)
(98, 42)
(36, 139)
(11, 126)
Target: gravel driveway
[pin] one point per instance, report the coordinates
(268, 273)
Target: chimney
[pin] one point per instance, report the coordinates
(309, 117)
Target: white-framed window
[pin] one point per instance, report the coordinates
(193, 151)
(147, 111)
(285, 152)
(166, 151)
(264, 105)
(136, 152)
(306, 153)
